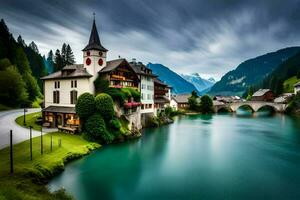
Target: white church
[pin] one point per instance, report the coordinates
(62, 88)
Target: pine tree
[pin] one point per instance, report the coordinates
(58, 60)
(21, 61)
(21, 41)
(34, 47)
(69, 56)
(63, 54)
(50, 62)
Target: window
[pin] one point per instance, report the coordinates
(55, 96)
(74, 84)
(142, 96)
(73, 97)
(148, 96)
(56, 84)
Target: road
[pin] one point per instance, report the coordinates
(20, 134)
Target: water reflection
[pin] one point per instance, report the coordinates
(197, 157)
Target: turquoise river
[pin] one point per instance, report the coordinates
(196, 157)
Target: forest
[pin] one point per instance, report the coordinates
(22, 66)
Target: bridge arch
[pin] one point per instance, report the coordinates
(267, 106)
(224, 109)
(245, 106)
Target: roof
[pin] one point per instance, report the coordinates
(297, 84)
(94, 42)
(157, 81)
(111, 65)
(181, 98)
(261, 92)
(69, 71)
(60, 109)
(161, 100)
(141, 69)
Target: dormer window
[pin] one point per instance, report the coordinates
(100, 53)
(88, 53)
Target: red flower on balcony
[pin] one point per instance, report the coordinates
(131, 104)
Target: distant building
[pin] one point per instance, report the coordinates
(284, 98)
(263, 95)
(162, 95)
(297, 88)
(180, 101)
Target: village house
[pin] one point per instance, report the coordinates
(62, 88)
(180, 101)
(162, 95)
(263, 95)
(297, 87)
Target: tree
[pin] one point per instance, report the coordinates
(34, 47)
(95, 129)
(101, 85)
(50, 62)
(63, 54)
(206, 104)
(12, 87)
(32, 87)
(192, 101)
(85, 105)
(298, 75)
(105, 106)
(4, 64)
(22, 61)
(58, 60)
(21, 41)
(69, 56)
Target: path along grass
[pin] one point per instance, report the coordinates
(29, 176)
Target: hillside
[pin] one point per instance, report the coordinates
(201, 84)
(251, 72)
(179, 84)
(282, 75)
(288, 85)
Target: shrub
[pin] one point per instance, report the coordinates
(117, 95)
(101, 85)
(96, 129)
(105, 106)
(126, 92)
(206, 105)
(135, 94)
(115, 124)
(85, 105)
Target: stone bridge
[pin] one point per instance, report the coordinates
(254, 105)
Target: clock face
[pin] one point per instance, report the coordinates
(100, 62)
(88, 61)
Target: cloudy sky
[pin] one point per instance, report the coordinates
(210, 37)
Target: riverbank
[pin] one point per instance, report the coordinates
(30, 177)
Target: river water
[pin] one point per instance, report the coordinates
(196, 157)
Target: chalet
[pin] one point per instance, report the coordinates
(180, 101)
(162, 95)
(146, 86)
(62, 88)
(263, 95)
(297, 88)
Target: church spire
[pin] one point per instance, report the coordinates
(94, 42)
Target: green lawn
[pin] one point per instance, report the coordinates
(27, 181)
(288, 84)
(30, 120)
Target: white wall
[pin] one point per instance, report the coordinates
(147, 90)
(174, 104)
(297, 89)
(94, 67)
(64, 91)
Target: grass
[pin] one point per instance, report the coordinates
(30, 120)
(28, 181)
(288, 84)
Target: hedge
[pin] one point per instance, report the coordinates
(105, 106)
(85, 105)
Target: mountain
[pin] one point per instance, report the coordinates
(251, 72)
(179, 84)
(286, 70)
(201, 84)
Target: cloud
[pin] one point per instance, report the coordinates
(208, 37)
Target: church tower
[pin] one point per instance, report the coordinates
(94, 55)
